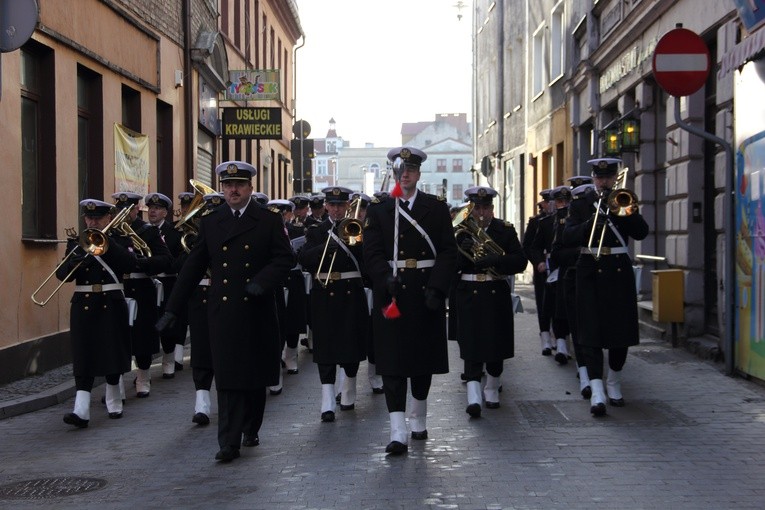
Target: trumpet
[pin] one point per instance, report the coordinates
(465, 224)
(350, 233)
(619, 202)
(186, 224)
(93, 242)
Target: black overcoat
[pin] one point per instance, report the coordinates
(243, 329)
(98, 321)
(340, 316)
(144, 338)
(485, 309)
(606, 296)
(415, 343)
(172, 238)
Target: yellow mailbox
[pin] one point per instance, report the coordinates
(668, 291)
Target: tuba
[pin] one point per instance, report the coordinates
(465, 224)
(186, 224)
(619, 202)
(92, 241)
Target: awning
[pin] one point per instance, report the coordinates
(747, 50)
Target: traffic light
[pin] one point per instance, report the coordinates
(302, 154)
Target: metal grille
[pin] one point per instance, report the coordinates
(43, 488)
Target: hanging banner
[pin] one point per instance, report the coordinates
(131, 160)
(253, 85)
(252, 123)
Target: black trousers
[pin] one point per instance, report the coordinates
(239, 412)
(395, 390)
(85, 383)
(543, 315)
(328, 373)
(474, 369)
(203, 378)
(593, 359)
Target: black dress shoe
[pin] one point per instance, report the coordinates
(598, 409)
(168, 376)
(546, 351)
(275, 392)
(178, 366)
(292, 371)
(378, 391)
(349, 407)
(474, 410)
(492, 405)
(420, 436)
(616, 402)
(201, 419)
(561, 358)
(227, 454)
(396, 448)
(250, 441)
(328, 416)
(115, 416)
(73, 419)
(142, 394)
(586, 392)
(337, 398)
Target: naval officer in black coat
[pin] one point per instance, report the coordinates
(247, 251)
(413, 261)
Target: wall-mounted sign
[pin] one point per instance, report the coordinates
(252, 123)
(253, 85)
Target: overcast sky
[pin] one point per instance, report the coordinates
(373, 64)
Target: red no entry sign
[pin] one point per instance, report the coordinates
(681, 62)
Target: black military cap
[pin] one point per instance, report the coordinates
(126, 198)
(299, 201)
(480, 195)
(316, 201)
(561, 192)
(604, 167)
(95, 208)
(546, 194)
(578, 180)
(158, 199)
(337, 194)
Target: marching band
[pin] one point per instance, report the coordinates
(358, 279)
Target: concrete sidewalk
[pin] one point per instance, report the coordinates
(689, 438)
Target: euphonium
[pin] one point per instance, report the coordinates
(186, 224)
(465, 224)
(93, 242)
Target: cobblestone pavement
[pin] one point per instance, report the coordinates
(689, 438)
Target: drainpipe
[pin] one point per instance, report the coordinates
(501, 102)
(188, 100)
(294, 114)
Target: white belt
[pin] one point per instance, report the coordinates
(204, 282)
(165, 275)
(605, 250)
(98, 287)
(413, 263)
(334, 275)
(135, 276)
(480, 277)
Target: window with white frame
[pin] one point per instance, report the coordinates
(557, 41)
(321, 167)
(538, 61)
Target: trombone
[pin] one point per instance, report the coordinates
(94, 242)
(464, 223)
(350, 232)
(619, 202)
(185, 224)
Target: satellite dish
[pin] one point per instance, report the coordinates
(18, 19)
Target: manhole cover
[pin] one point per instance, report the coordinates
(43, 488)
(568, 413)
